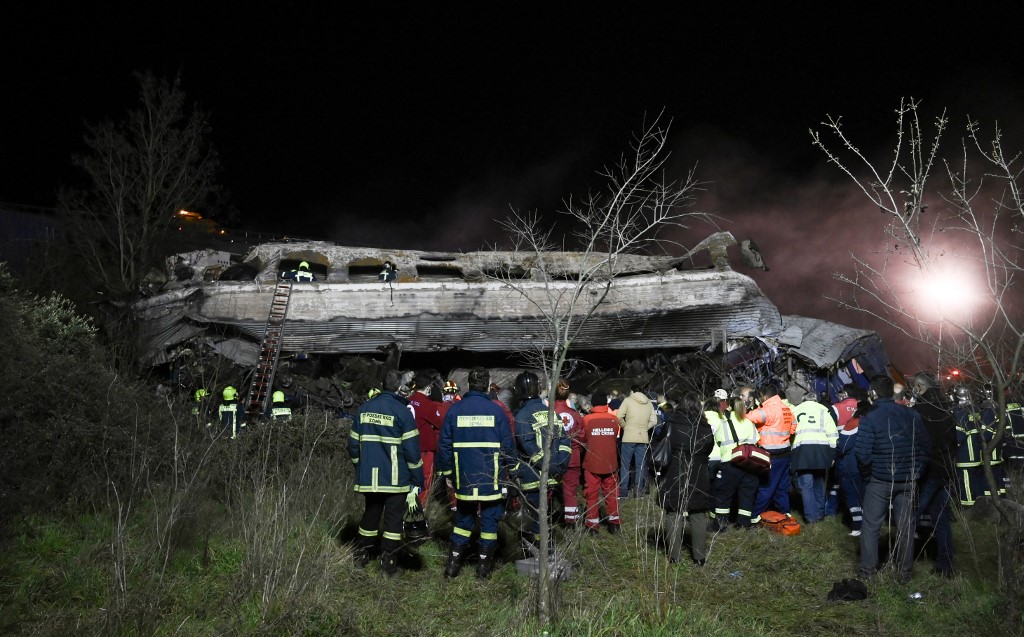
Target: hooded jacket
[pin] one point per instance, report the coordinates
(637, 417)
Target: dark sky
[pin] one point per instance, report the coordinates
(418, 124)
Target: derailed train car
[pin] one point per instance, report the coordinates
(677, 316)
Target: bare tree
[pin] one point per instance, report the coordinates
(637, 206)
(143, 171)
(946, 276)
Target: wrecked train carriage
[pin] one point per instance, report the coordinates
(477, 302)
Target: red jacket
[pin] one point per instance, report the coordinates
(428, 419)
(600, 437)
(572, 422)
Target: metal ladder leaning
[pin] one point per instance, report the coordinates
(270, 350)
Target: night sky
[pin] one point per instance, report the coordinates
(418, 125)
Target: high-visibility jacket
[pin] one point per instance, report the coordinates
(232, 417)
(533, 441)
(814, 443)
(384, 446)
(990, 424)
(716, 420)
(746, 434)
(476, 448)
(775, 423)
(281, 412)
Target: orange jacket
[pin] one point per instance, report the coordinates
(774, 422)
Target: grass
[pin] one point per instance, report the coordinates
(56, 579)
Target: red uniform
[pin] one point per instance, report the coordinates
(601, 464)
(572, 422)
(428, 422)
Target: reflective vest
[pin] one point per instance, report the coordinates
(476, 448)
(814, 442)
(774, 422)
(717, 421)
(745, 430)
(281, 413)
(232, 417)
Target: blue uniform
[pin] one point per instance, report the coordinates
(532, 441)
(232, 417)
(476, 450)
(384, 445)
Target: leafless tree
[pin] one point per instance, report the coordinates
(946, 274)
(565, 290)
(143, 171)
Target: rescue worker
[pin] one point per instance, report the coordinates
(428, 422)
(851, 484)
(814, 450)
(449, 396)
(536, 439)
(279, 409)
(775, 425)
(385, 449)
(232, 416)
(990, 424)
(735, 482)
(200, 407)
(476, 450)
(1015, 447)
(716, 411)
(971, 481)
(301, 274)
(600, 436)
(572, 423)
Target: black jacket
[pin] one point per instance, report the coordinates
(942, 430)
(684, 484)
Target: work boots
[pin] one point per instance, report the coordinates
(454, 565)
(486, 564)
(389, 564)
(361, 556)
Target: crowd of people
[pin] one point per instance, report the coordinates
(884, 452)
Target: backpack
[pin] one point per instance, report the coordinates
(780, 523)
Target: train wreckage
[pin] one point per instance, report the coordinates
(665, 315)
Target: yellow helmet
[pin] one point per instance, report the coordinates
(450, 387)
(278, 397)
(200, 394)
(229, 393)
(304, 265)
(373, 392)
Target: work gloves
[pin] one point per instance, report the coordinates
(411, 501)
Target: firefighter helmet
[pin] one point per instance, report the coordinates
(229, 393)
(962, 395)
(200, 394)
(527, 385)
(304, 265)
(450, 387)
(373, 392)
(278, 397)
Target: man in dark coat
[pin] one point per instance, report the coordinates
(683, 485)
(892, 448)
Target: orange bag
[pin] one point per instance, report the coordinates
(780, 523)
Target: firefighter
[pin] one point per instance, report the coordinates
(479, 429)
(279, 409)
(201, 406)
(385, 449)
(535, 439)
(232, 416)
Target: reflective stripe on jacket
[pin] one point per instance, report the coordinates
(476, 448)
(385, 447)
(814, 443)
(533, 441)
(774, 422)
(745, 430)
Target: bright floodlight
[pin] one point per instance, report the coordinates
(949, 292)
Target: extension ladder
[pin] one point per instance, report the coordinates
(270, 349)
